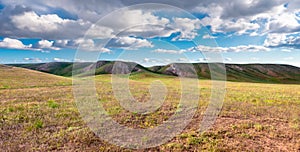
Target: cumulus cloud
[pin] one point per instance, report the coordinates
(35, 23)
(13, 44)
(251, 17)
(21, 21)
(187, 28)
(283, 21)
(82, 44)
(93, 10)
(129, 43)
(223, 16)
(88, 45)
(241, 48)
(238, 26)
(45, 45)
(132, 22)
(29, 19)
(237, 8)
(282, 40)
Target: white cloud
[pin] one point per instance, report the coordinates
(236, 16)
(131, 43)
(99, 32)
(183, 60)
(49, 26)
(275, 40)
(41, 45)
(60, 60)
(238, 26)
(146, 60)
(207, 36)
(87, 44)
(136, 22)
(105, 50)
(251, 17)
(152, 60)
(241, 48)
(254, 58)
(283, 22)
(286, 50)
(187, 28)
(24, 22)
(82, 44)
(169, 51)
(33, 59)
(126, 22)
(35, 23)
(282, 40)
(202, 48)
(14, 44)
(46, 45)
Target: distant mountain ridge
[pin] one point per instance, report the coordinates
(266, 73)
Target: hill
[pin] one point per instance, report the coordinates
(14, 77)
(265, 73)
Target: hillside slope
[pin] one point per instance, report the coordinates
(65, 68)
(14, 77)
(266, 73)
(272, 73)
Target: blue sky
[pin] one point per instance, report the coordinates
(250, 31)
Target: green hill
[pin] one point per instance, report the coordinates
(266, 73)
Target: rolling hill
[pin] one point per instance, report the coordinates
(14, 77)
(266, 73)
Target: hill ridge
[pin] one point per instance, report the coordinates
(266, 73)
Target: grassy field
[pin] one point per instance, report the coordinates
(38, 113)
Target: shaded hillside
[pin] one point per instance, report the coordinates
(84, 69)
(272, 73)
(267, 73)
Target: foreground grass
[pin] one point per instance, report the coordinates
(41, 115)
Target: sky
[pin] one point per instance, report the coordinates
(150, 33)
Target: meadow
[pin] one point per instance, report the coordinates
(38, 113)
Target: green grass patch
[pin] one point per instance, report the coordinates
(53, 104)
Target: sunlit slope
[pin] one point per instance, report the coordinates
(14, 77)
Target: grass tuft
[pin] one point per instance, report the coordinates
(53, 104)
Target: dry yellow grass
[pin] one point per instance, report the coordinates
(38, 113)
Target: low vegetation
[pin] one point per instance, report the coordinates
(38, 113)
